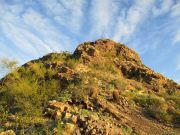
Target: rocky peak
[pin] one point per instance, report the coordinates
(102, 88)
(105, 47)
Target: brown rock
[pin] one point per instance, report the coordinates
(57, 105)
(116, 95)
(74, 119)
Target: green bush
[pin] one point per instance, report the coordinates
(72, 63)
(81, 88)
(3, 114)
(117, 83)
(85, 112)
(146, 100)
(157, 108)
(159, 114)
(65, 96)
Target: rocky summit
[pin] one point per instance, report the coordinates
(103, 88)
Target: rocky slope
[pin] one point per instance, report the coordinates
(102, 88)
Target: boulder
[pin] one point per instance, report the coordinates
(57, 105)
(116, 95)
(74, 119)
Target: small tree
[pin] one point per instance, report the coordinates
(8, 64)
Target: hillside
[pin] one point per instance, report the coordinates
(102, 88)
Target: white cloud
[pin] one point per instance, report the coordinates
(30, 32)
(45, 30)
(102, 16)
(9, 53)
(67, 13)
(175, 11)
(177, 63)
(177, 37)
(178, 66)
(4, 53)
(175, 16)
(136, 14)
(163, 6)
(20, 37)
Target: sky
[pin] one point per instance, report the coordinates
(30, 29)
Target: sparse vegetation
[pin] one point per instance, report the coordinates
(86, 96)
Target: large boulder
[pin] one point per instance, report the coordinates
(57, 105)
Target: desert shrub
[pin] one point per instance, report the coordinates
(146, 100)
(157, 108)
(29, 95)
(56, 56)
(3, 113)
(108, 55)
(60, 128)
(65, 96)
(79, 92)
(127, 130)
(176, 117)
(85, 112)
(38, 69)
(50, 73)
(158, 113)
(72, 62)
(139, 88)
(82, 87)
(49, 89)
(118, 83)
(24, 95)
(110, 86)
(173, 97)
(27, 91)
(103, 66)
(28, 125)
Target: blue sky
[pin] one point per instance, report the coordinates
(30, 29)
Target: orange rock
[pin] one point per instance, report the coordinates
(74, 119)
(56, 105)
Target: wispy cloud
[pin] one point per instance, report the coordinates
(177, 61)
(44, 29)
(175, 16)
(67, 13)
(177, 37)
(30, 29)
(134, 16)
(162, 7)
(102, 17)
(175, 10)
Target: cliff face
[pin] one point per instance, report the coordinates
(101, 87)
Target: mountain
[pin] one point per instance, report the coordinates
(102, 88)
